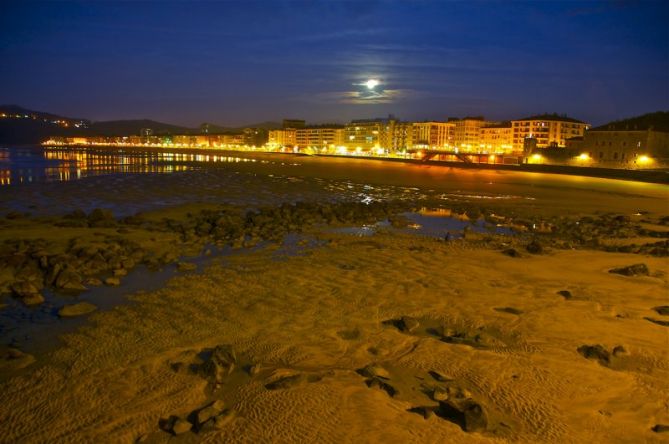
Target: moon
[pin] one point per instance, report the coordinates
(372, 83)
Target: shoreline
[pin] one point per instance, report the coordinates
(646, 176)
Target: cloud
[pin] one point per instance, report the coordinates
(362, 97)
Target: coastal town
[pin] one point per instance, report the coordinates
(552, 139)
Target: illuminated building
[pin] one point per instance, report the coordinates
(497, 138)
(363, 134)
(549, 130)
(323, 136)
(626, 148)
(467, 132)
(387, 134)
(282, 137)
(255, 136)
(432, 134)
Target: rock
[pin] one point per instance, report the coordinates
(181, 426)
(426, 411)
(619, 350)
(597, 352)
(69, 280)
(79, 309)
(186, 266)
(286, 382)
(372, 371)
(120, 272)
(14, 359)
(24, 289)
(381, 384)
(439, 394)
(220, 364)
(408, 324)
(565, 294)
(509, 310)
(534, 247)
(210, 411)
(33, 299)
(224, 418)
(100, 214)
(112, 281)
(468, 414)
(657, 321)
(476, 419)
(438, 376)
(660, 428)
(631, 270)
(662, 310)
(94, 282)
(511, 252)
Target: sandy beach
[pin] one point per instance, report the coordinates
(299, 328)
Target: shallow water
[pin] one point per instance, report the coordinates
(53, 181)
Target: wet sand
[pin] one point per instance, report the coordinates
(379, 338)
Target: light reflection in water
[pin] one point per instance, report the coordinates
(27, 165)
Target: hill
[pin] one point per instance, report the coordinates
(23, 126)
(658, 121)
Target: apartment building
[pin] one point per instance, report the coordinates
(432, 134)
(549, 130)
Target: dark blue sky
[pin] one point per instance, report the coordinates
(234, 63)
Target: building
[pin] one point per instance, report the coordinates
(497, 138)
(255, 136)
(363, 135)
(467, 132)
(396, 136)
(432, 134)
(282, 137)
(549, 130)
(319, 137)
(625, 148)
(387, 134)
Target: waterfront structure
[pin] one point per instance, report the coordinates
(619, 148)
(434, 135)
(282, 138)
(497, 138)
(377, 136)
(549, 130)
(467, 133)
(320, 137)
(363, 135)
(255, 136)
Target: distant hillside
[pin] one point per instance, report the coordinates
(134, 127)
(658, 121)
(22, 126)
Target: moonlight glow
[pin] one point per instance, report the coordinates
(372, 83)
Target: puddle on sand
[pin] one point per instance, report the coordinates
(36, 330)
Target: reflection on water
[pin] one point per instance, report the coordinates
(37, 164)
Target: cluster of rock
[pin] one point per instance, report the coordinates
(213, 416)
(455, 404)
(599, 353)
(28, 266)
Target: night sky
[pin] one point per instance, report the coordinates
(239, 63)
